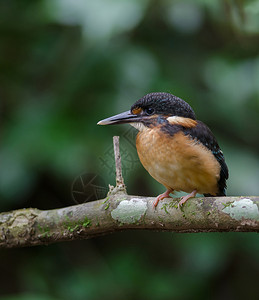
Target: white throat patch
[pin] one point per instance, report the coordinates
(138, 125)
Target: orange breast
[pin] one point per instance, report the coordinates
(178, 162)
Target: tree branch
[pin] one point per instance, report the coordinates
(119, 211)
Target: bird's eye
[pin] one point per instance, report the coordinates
(149, 111)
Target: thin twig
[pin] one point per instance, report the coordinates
(119, 178)
(119, 211)
(28, 227)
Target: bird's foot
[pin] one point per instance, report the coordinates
(185, 198)
(166, 194)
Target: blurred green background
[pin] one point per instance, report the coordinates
(66, 64)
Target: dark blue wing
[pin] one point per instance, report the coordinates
(203, 134)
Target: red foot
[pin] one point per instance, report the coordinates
(166, 194)
(185, 198)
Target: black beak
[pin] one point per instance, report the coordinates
(125, 117)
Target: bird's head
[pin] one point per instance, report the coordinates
(152, 109)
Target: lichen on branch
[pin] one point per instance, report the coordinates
(119, 211)
(28, 227)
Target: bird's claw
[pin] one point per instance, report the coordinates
(182, 201)
(166, 194)
(185, 198)
(155, 203)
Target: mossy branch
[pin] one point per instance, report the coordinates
(119, 211)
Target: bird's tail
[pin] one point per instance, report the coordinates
(221, 193)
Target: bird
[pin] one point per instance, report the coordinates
(176, 149)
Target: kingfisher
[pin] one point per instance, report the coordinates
(176, 149)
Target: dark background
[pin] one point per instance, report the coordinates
(66, 64)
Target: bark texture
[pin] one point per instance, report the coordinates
(119, 211)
